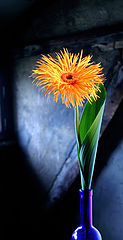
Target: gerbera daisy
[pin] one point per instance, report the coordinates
(77, 79)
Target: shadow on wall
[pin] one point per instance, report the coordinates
(107, 184)
(109, 141)
(23, 196)
(108, 197)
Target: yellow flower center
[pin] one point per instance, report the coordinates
(69, 77)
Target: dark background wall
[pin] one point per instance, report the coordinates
(39, 167)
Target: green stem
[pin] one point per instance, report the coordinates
(78, 143)
(77, 123)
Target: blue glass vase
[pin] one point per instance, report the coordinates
(86, 231)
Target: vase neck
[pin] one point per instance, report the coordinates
(86, 207)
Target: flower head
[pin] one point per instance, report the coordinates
(77, 79)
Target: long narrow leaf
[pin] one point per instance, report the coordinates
(89, 130)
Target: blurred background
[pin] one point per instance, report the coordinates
(39, 168)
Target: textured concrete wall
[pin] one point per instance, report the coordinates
(45, 129)
(108, 197)
(57, 18)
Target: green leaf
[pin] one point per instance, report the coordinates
(89, 130)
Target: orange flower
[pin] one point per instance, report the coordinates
(70, 75)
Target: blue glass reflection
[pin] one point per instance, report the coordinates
(86, 231)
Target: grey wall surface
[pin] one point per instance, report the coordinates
(108, 197)
(45, 129)
(65, 17)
